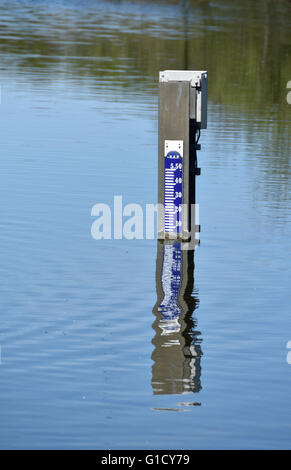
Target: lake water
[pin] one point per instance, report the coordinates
(85, 359)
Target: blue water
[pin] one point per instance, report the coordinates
(77, 329)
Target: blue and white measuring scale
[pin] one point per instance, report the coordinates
(173, 186)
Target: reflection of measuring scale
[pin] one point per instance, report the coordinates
(173, 184)
(171, 284)
(177, 353)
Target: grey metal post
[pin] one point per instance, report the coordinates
(182, 113)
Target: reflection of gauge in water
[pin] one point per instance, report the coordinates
(171, 283)
(173, 186)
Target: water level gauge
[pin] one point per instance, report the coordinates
(173, 186)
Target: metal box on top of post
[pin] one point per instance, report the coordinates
(182, 113)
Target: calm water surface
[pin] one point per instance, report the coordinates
(86, 359)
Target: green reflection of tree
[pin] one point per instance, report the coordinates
(244, 45)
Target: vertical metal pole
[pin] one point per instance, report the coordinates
(174, 152)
